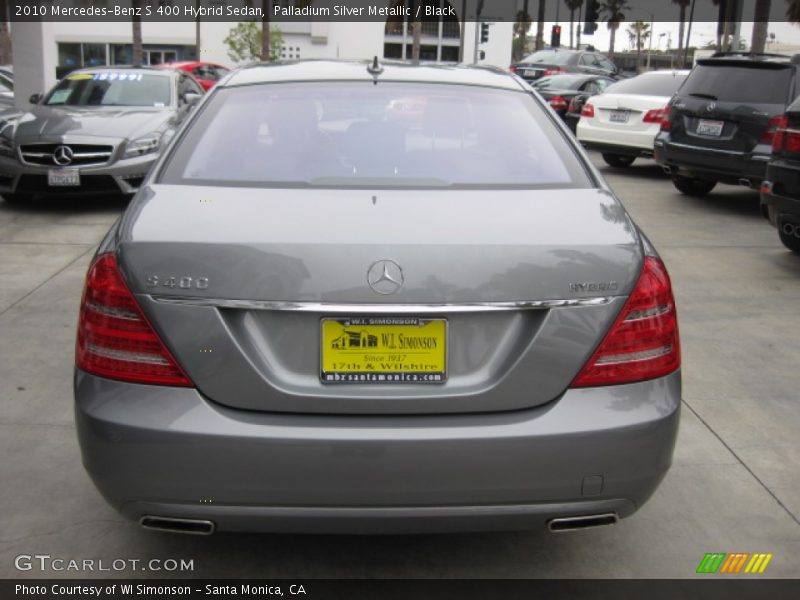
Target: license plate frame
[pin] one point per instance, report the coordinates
(383, 350)
(710, 128)
(63, 178)
(619, 116)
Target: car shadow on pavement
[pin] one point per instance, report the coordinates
(68, 205)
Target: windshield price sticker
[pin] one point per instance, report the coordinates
(117, 76)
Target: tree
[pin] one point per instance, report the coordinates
(760, 25)
(572, 5)
(614, 16)
(638, 33)
(683, 4)
(521, 26)
(266, 53)
(793, 11)
(245, 42)
(6, 56)
(540, 26)
(136, 24)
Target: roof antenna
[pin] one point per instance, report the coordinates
(375, 69)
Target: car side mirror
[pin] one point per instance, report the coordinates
(190, 98)
(35, 98)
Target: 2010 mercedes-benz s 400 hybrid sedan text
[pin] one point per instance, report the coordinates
(321, 314)
(98, 131)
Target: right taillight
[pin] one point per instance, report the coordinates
(657, 115)
(786, 141)
(115, 340)
(774, 125)
(587, 111)
(643, 342)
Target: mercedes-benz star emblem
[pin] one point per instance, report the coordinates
(62, 155)
(385, 276)
(711, 106)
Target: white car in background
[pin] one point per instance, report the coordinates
(622, 122)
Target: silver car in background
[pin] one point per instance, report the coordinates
(354, 297)
(98, 131)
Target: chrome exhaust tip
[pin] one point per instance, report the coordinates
(177, 525)
(582, 522)
(789, 229)
(667, 170)
(745, 182)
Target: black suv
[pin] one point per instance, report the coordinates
(723, 118)
(780, 193)
(557, 60)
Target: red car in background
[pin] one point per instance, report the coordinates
(207, 74)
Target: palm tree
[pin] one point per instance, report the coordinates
(521, 26)
(266, 55)
(793, 11)
(572, 5)
(614, 16)
(683, 4)
(136, 24)
(760, 26)
(540, 26)
(638, 33)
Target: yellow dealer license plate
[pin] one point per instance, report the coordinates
(383, 350)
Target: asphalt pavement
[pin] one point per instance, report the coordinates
(734, 485)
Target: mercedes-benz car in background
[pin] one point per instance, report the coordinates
(97, 131)
(622, 123)
(315, 317)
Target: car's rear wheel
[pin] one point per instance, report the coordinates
(789, 238)
(17, 198)
(693, 187)
(618, 160)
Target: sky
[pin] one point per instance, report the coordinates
(702, 33)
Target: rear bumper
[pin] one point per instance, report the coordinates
(169, 452)
(717, 165)
(617, 141)
(784, 198)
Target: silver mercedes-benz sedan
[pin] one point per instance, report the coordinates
(98, 131)
(356, 297)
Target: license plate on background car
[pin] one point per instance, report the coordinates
(383, 350)
(619, 116)
(713, 128)
(63, 178)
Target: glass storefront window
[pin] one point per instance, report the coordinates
(69, 55)
(94, 55)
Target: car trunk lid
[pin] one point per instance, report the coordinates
(239, 280)
(727, 105)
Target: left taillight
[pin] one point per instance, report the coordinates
(643, 342)
(587, 111)
(115, 340)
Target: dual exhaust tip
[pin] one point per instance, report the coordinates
(205, 527)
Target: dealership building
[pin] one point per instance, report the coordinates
(44, 51)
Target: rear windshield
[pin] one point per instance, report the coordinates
(548, 57)
(738, 83)
(649, 85)
(360, 134)
(560, 82)
(107, 88)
